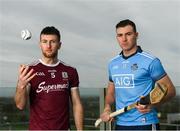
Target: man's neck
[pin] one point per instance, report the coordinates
(127, 53)
(50, 61)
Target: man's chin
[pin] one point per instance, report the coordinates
(50, 55)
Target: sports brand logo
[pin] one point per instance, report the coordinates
(123, 80)
(40, 74)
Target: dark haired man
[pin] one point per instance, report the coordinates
(132, 74)
(50, 84)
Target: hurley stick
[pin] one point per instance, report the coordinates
(155, 96)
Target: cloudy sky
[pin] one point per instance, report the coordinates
(88, 34)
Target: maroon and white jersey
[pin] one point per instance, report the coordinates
(50, 95)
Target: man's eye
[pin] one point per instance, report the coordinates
(43, 41)
(129, 33)
(53, 42)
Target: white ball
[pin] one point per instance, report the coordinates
(25, 34)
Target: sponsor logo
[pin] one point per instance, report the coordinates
(49, 88)
(124, 80)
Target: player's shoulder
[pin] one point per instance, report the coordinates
(66, 65)
(147, 55)
(116, 58)
(34, 63)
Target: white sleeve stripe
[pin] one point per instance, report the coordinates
(73, 88)
(146, 56)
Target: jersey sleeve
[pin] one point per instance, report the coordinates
(74, 79)
(156, 70)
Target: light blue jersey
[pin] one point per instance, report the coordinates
(133, 77)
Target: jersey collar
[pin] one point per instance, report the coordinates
(126, 57)
(50, 65)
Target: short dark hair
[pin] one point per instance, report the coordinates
(51, 30)
(126, 22)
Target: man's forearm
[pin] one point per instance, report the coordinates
(78, 116)
(171, 92)
(20, 97)
(108, 102)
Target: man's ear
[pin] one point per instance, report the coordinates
(59, 45)
(137, 35)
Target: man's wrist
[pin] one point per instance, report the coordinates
(107, 110)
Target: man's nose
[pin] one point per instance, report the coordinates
(124, 38)
(49, 44)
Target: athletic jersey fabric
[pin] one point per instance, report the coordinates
(49, 95)
(134, 76)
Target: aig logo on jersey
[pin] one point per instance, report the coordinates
(64, 75)
(124, 80)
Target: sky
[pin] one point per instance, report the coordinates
(88, 34)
